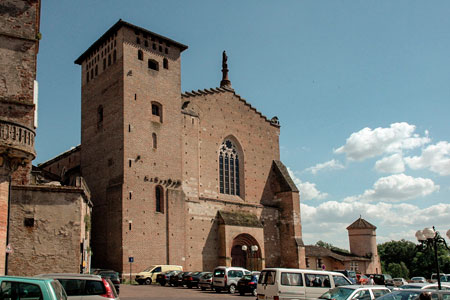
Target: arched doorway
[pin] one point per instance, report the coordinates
(246, 252)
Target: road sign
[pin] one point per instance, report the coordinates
(9, 249)
(130, 259)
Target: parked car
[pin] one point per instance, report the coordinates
(177, 279)
(111, 275)
(382, 279)
(248, 284)
(84, 286)
(349, 274)
(418, 280)
(192, 280)
(425, 286)
(12, 287)
(347, 292)
(226, 278)
(164, 278)
(446, 277)
(205, 282)
(399, 281)
(310, 284)
(413, 294)
(362, 279)
(149, 275)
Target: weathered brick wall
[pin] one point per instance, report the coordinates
(52, 243)
(364, 242)
(147, 241)
(102, 147)
(64, 161)
(4, 192)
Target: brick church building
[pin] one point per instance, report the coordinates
(177, 178)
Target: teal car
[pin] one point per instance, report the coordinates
(27, 288)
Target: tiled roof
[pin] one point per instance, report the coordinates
(361, 224)
(60, 156)
(239, 219)
(228, 90)
(317, 251)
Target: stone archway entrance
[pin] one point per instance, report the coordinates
(246, 252)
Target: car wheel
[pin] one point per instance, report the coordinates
(217, 290)
(232, 289)
(163, 283)
(189, 286)
(241, 293)
(203, 288)
(148, 281)
(254, 293)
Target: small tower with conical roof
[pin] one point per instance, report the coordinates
(363, 242)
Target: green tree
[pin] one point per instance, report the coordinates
(331, 247)
(398, 270)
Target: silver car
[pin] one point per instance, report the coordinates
(85, 286)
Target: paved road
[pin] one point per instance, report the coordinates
(156, 292)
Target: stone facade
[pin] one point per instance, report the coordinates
(152, 157)
(49, 229)
(19, 43)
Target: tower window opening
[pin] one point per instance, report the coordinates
(109, 60)
(160, 48)
(159, 199)
(155, 141)
(166, 51)
(114, 56)
(157, 110)
(96, 70)
(154, 46)
(140, 55)
(99, 116)
(87, 76)
(104, 64)
(166, 63)
(153, 64)
(146, 43)
(138, 40)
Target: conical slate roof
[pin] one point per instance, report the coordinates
(361, 224)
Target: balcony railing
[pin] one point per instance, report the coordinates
(17, 140)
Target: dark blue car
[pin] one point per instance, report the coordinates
(247, 284)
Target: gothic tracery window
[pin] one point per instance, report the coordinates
(229, 169)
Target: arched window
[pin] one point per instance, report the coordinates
(165, 63)
(229, 179)
(140, 55)
(99, 116)
(159, 199)
(155, 141)
(153, 64)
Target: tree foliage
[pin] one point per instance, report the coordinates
(405, 259)
(331, 247)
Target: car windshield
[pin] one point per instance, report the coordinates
(400, 295)
(417, 278)
(207, 276)
(219, 273)
(149, 269)
(338, 293)
(410, 286)
(247, 277)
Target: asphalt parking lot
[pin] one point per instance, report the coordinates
(135, 292)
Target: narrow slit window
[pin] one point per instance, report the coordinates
(140, 55)
(154, 141)
(159, 199)
(99, 116)
(166, 63)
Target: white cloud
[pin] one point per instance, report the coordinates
(396, 188)
(391, 164)
(394, 221)
(435, 157)
(368, 143)
(308, 190)
(331, 165)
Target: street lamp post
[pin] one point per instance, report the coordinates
(429, 238)
(253, 248)
(245, 248)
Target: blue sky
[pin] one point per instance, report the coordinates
(361, 88)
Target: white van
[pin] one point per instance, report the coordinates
(226, 278)
(297, 284)
(149, 275)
